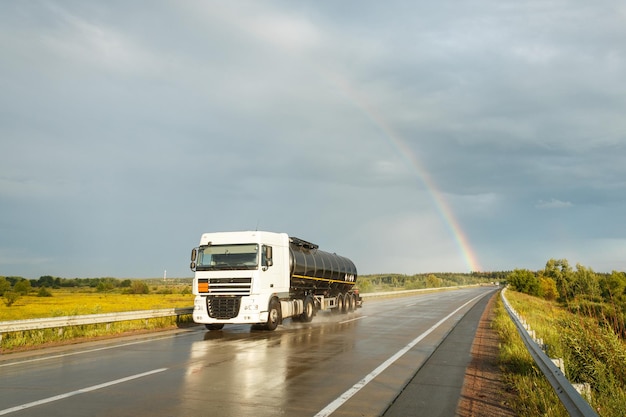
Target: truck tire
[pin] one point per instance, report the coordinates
(309, 310)
(346, 304)
(214, 326)
(350, 303)
(273, 315)
(340, 304)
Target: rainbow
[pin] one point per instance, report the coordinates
(440, 203)
(396, 141)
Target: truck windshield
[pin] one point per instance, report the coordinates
(220, 257)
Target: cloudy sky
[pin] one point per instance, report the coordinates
(409, 136)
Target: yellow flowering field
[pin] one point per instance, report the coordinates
(82, 301)
(70, 302)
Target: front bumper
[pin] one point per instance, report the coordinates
(233, 310)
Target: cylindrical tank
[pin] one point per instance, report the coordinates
(318, 271)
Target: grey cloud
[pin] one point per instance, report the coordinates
(147, 127)
(553, 204)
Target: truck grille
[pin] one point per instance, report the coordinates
(223, 307)
(225, 286)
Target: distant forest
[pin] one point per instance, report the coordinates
(366, 283)
(23, 286)
(393, 282)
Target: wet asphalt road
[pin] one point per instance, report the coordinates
(341, 365)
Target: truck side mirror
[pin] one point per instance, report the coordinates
(268, 261)
(194, 255)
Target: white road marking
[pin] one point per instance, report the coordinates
(354, 319)
(80, 391)
(80, 352)
(339, 401)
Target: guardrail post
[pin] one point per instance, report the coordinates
(560, 363)
(583, 389)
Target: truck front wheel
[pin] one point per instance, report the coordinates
(273, 315)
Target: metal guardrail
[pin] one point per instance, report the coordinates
(64, 321)
(574, 403)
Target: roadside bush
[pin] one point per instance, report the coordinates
(606, 315)
(10, 297)
(22, 287)
(139, 287)
(594, 348)
(4, 285)
(44, 292)
(365, 286)
(525, 281)
(596, 355)
(432, 281)
(547, 288)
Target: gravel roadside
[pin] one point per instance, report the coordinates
(484, 391)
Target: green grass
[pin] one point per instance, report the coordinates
(534, 395)
(593, 354)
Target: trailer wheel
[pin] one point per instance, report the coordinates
(214, 326)
(273, 316)
(340, 304)
(309, 310)
(346, 304)
(350, 303)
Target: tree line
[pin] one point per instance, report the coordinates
(383, 282)
(49, 281)
(12, 288)
(581, 290)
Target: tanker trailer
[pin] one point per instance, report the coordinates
(261, 278)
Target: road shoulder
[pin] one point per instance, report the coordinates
(462, 376)
(484, 390)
